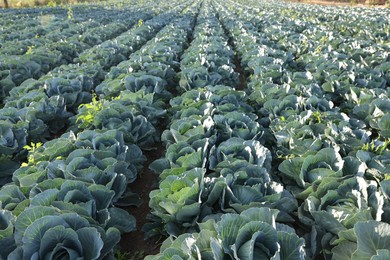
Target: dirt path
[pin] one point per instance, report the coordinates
(133, 244)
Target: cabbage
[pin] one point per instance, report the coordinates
(44, 232)
(253, 234)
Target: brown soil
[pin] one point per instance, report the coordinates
(238, 69)
(236, 61)
(133, 244)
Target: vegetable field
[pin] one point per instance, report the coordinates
(242, 129)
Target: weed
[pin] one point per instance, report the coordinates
(377, 149)
(31, 148)
(70, 13)
(126, 255)
(121, 256)
(87, 115)
(30, 49)
(52, 4)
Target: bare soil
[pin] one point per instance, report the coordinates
(238, 69)
(133, 244)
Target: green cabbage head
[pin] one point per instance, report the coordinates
(45, 233)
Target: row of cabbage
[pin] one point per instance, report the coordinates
(243, 173)
(53, 29)
(144, 84)
(9, 13)
(338, 82)
(31, 29)
(352, 104)
(216, 192)
(323, 45)
(134, 95)
(63, 202)
(35, 26)
(178, 198)
(39, 110)
(36, 56)
(341, 21)
(328, 109)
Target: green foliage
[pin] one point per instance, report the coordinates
(378, 149)
(52, 3)
(88, 112)
(138, 255)
(70, 13)
(296, 166)
(121, 255)
(31, 148)
(30, 50)
(252, 234)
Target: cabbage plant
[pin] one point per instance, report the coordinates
(253, 234)
(7, 222)
(46, 232)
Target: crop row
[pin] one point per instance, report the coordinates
(40, 55)
(320, 115)
(40, 109)
(22, 30)
(71, 185)
(294, 166)
(332, 155)
(216, 165)
(333, 55)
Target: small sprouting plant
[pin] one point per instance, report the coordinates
(126, 256)
(30, 49)
(318, 50)
(368, 146)
(121, 256)
(51, 4)
(87, 115)
(383, 147)
(186, 10)
(285, 156)
(70, 13)
(324, 39)
(138, 255)
(377, 149)
(316, 117)
(31, 148)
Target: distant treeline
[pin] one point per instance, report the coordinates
(365, 2)
(31, 3)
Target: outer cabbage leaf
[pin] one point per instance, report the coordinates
(239, 149)
(372, 238)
